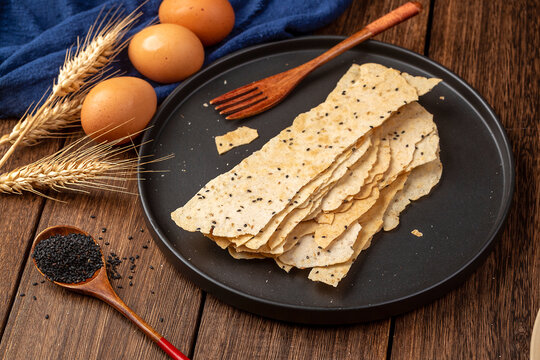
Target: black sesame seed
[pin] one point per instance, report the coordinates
(71, 258)
(47, 317)
(130, 237)
(104, 230)
(22, 295)
(145, 246)
(161, 319)
(92, 216)
(34, 284)
(34, 297)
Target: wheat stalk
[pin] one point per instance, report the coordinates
(77, 167)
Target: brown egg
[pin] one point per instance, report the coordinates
(118, 107)
(166, 53)
(210, 20)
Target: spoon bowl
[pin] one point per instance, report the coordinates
(99, 277)
(98, 286)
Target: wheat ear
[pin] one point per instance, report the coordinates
(76, 167)
(60, 115)
(100, 46)
(81, 68)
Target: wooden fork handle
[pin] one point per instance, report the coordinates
(387, 21)
(394, 17)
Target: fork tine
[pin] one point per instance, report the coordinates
(240, 99)
(254, 109)
(233, 94)
(243, 105)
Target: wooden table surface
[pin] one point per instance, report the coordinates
(493, 45)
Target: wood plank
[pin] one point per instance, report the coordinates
(227, 333)
(83, 328)
(19, 216)
(494, 46)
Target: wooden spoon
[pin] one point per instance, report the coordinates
(99, 286)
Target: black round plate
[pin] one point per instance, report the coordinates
(460, 218)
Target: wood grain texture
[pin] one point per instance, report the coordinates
(494, 46)
(80, 327)
(227, 333)
(18, 219)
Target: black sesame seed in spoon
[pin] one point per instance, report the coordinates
(71, 258)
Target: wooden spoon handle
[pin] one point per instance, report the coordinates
(117, 303)
(393, 18)
(170, 350)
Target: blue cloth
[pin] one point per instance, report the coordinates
(34, 36)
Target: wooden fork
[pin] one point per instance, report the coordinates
(264, 94)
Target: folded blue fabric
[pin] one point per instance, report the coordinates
(34, 36)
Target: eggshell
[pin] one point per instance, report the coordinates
(118, 107)
(210, 20)
(166, 53)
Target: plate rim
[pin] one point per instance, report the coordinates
(395, 306)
